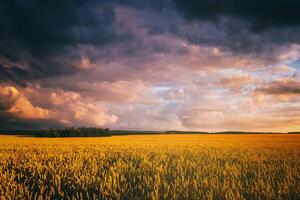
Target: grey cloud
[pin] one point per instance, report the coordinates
(281, 87)
(9, 121)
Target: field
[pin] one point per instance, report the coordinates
(151, 167)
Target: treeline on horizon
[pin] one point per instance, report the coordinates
(74, 132)
(106, 132)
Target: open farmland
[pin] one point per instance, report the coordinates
(151, 167)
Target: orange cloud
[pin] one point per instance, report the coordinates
(8, 96)
(24, 109)
(236, 80)
(12, 101)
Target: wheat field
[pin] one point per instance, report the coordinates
(151, 167)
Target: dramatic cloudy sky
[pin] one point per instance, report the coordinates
(209, 65)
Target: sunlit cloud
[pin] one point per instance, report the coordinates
(141, 65)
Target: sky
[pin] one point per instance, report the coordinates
(202, 65)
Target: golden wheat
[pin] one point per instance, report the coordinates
(151, 167)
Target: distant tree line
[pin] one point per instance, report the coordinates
(74, 132)
(102, 132)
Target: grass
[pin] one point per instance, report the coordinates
(151, 167)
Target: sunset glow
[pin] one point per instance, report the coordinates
(150, 65)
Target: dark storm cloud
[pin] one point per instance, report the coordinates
(45, 26)
(14, 75)
(262, 13)
(47, 37)
(245, 27)
(42, 34)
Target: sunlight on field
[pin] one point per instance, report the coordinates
(151, 167)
